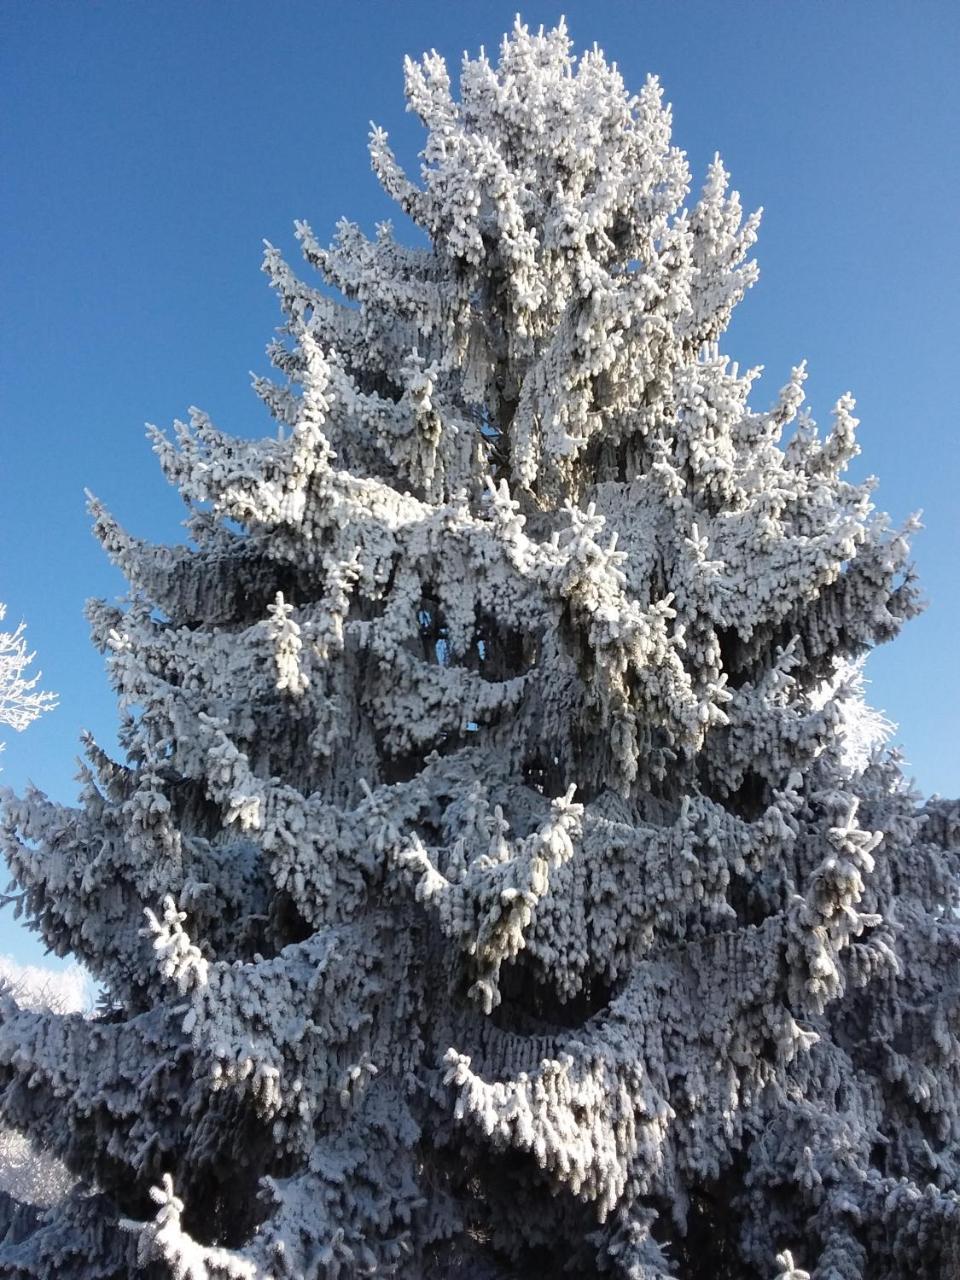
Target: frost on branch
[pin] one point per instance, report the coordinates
(528, 889)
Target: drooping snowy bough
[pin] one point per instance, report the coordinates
(506, 876)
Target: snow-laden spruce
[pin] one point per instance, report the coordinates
(505, 876)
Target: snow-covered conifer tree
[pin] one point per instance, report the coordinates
(505, 876)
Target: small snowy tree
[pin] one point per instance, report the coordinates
(21, 702)
(505, 876)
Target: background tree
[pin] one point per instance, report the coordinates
(526, 886)
(21, 702)
(30, 1176)
(27, 1175)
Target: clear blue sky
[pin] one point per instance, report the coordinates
(147, 148)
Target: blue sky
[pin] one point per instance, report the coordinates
(148, 148)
